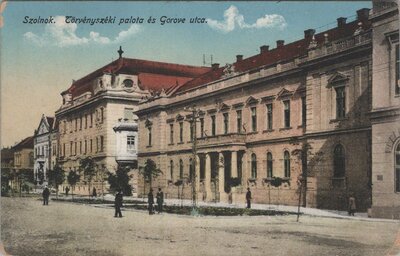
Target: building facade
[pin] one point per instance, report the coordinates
(296, 115)
(94, 107)
(23, 162)
(385, 114)
(44, 160)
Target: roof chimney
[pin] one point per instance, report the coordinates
(362, 14)
(341, 22)
(215, 66)
(239, 58)
(280, 43)
(309, 33)
(264, 48)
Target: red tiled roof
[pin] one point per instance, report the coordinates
(157, 75)
(25, 143)
(281, 54)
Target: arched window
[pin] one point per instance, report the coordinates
(397, 157)
(171, 170)
(269, 165)
(338, 162)
(253, 166)
(286, 163)
(180, 169)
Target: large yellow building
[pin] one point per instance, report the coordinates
(297, 114)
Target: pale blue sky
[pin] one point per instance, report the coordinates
(39, 61)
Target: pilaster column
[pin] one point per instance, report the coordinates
(245, 166)
(234, 170)
(221, 177)
(207, 181)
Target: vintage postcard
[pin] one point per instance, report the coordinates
(200, 128)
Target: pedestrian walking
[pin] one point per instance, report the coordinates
(150, 201)
(352, 205)
(160, 200)
(66, 191)
(94, 193)
(46, 195)
(248, 198)
(118, 204)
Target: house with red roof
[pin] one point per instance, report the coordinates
(290, 123)
(96, 118)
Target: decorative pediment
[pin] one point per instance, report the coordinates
(44, 126)
(251, 101)
(337, 78)
(148, 123)
(238, 105)
(211, 111)
(284, 93)
(179, 117)
(267, 98)
(224, 107)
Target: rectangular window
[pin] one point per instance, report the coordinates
(239, 121)
(254, 119)
(269, 116)
(213, 126)
(76, 124)
(149, 131)
(171, 133)
(71, 144)
(65, 127)
(86, 121)
(64, 149)
(226, 123)
(202, 127)
(85, 147)
(101, 115)
(340, 102)
(80, 123)
(91, 120)
(286, 107)
(75, 148)
(97, 144)
(181, 132)
(397, 70)
(80, 147)
(91, 145)
(71, 127)
(101, 144)
(130, 143)
(303, 111)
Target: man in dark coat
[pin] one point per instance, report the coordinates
(94, 194)
(118, 204)
(160, 200)
(66, 191)
(150, 200)
(248, 198)
(46, 195)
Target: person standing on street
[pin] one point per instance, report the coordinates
(352, 205)
(160, 200)
(150, 201)
(248, 198)
(94, 194)
(46, 195)
(118, 204)
(66, 191)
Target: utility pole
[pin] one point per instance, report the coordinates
(195, 115)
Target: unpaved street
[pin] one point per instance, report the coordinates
(28, 228)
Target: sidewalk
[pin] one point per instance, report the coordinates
(293, 209)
